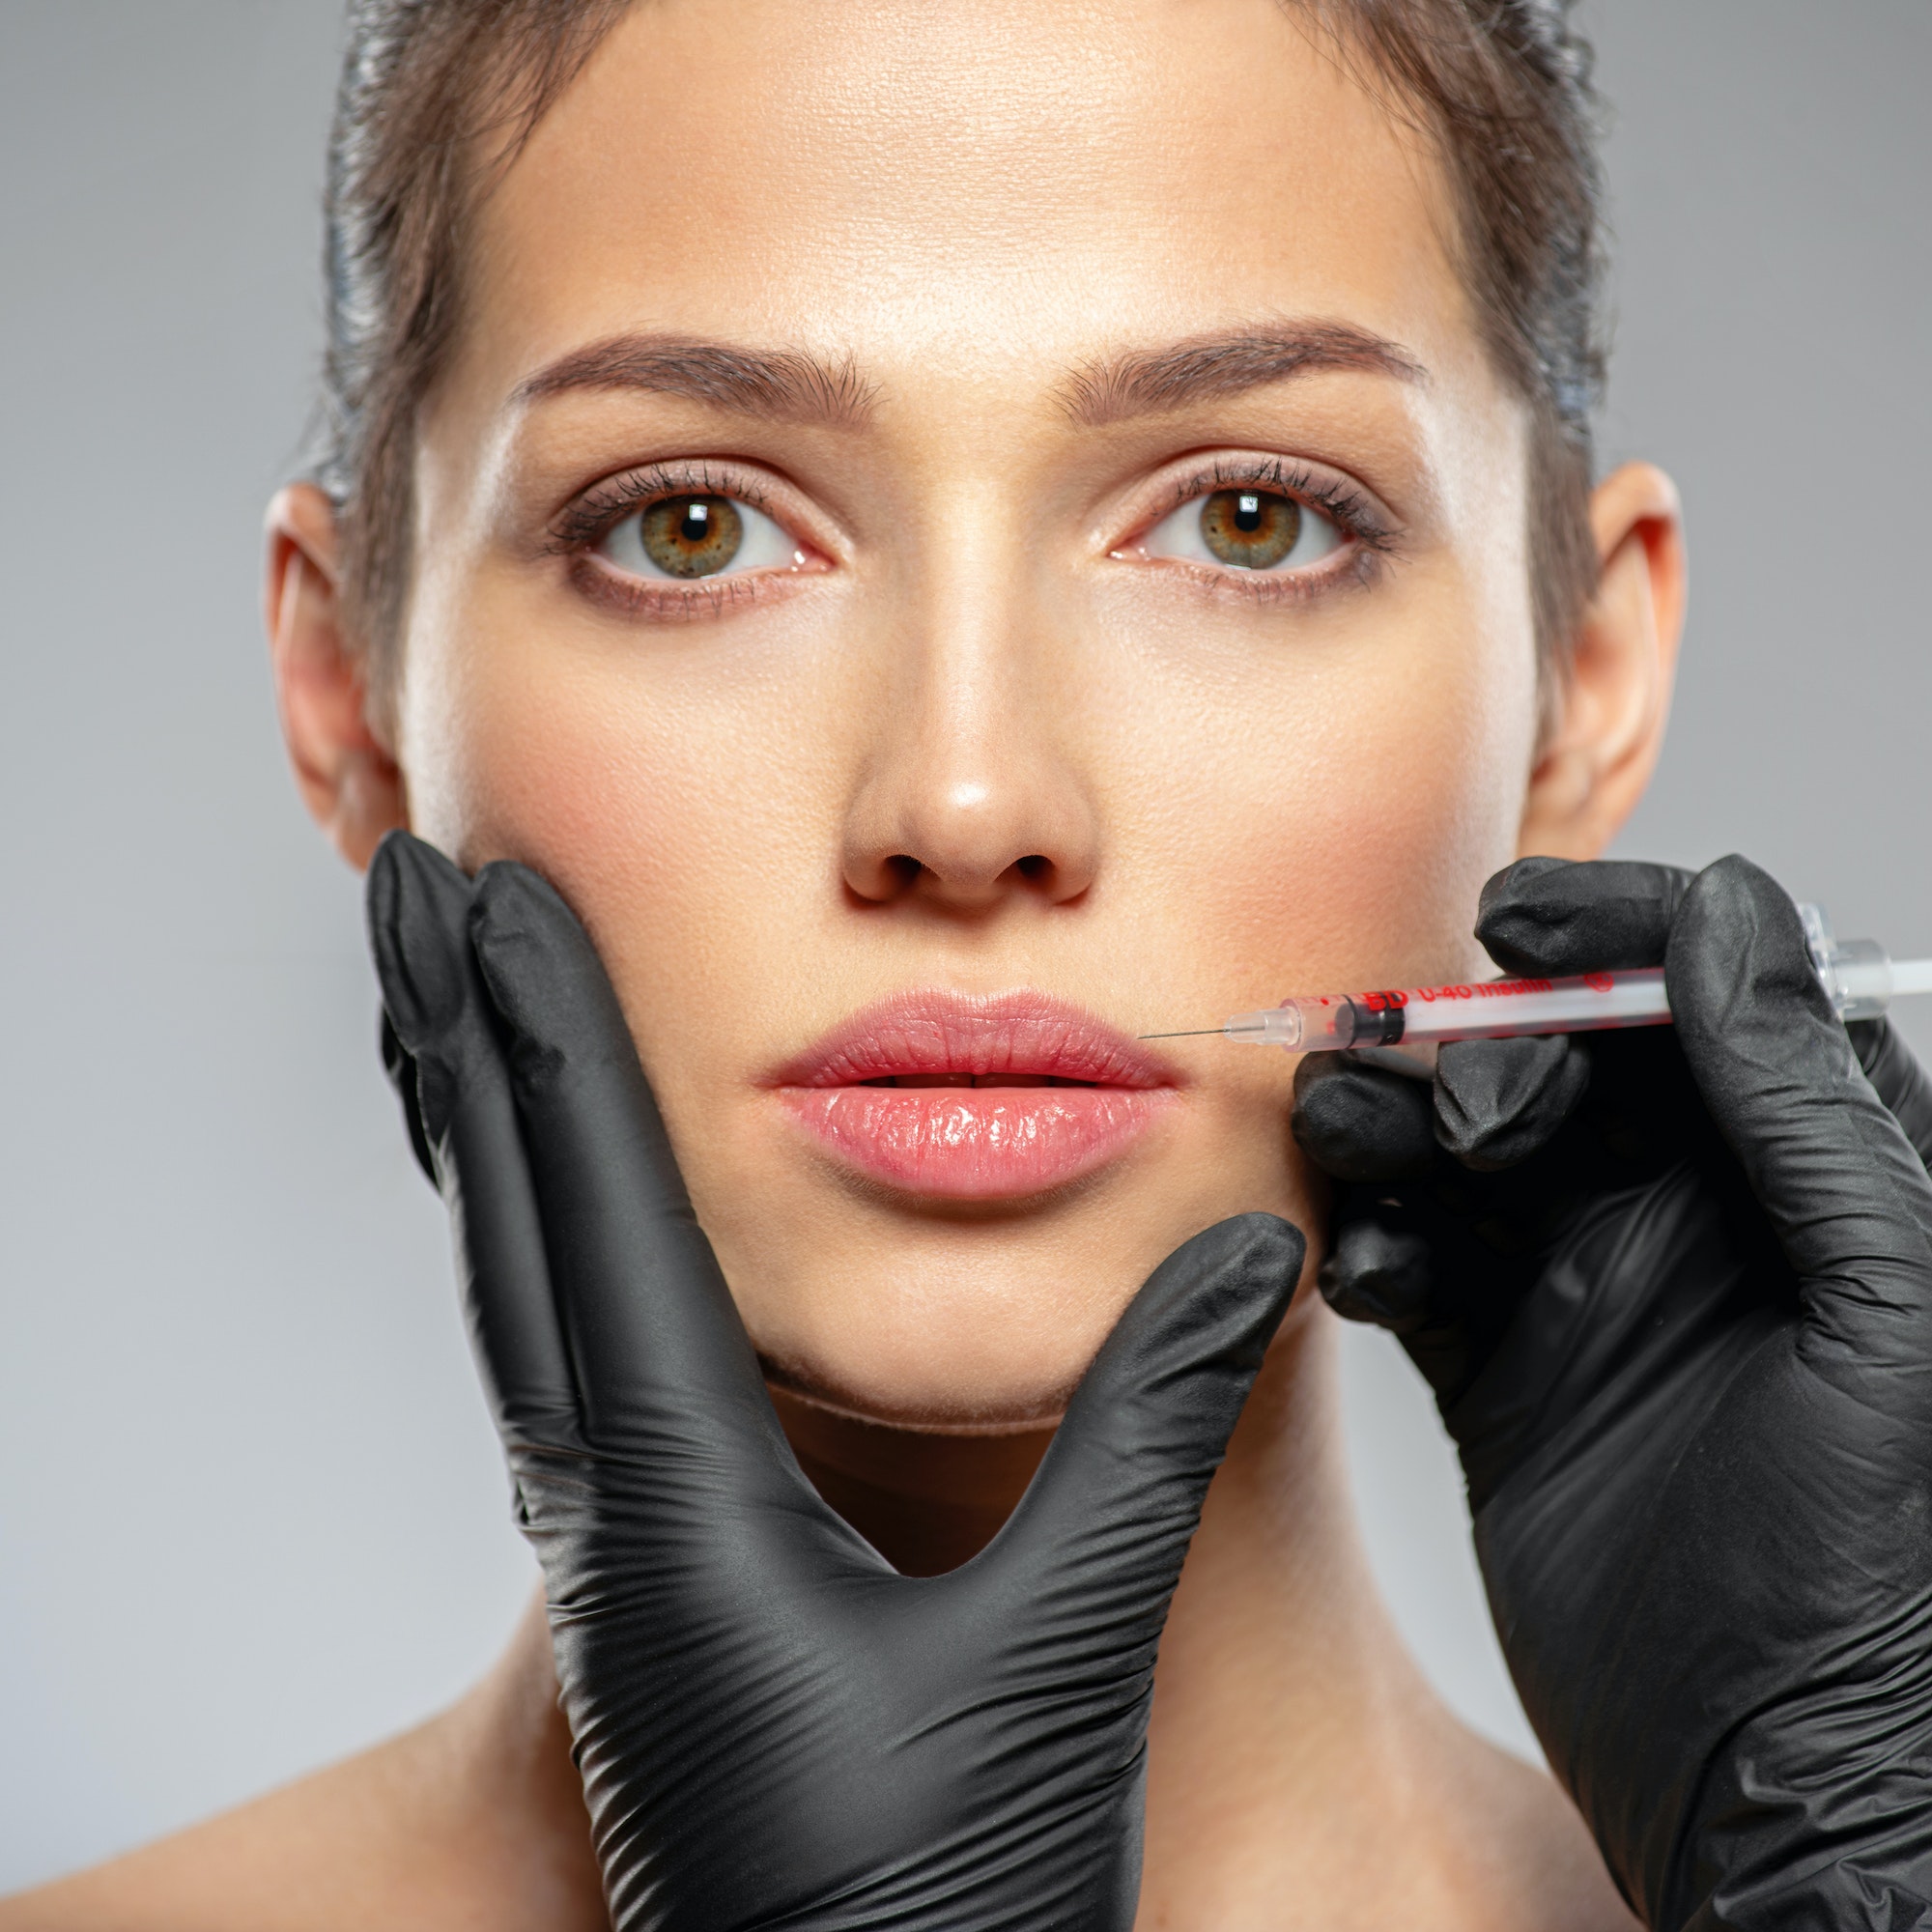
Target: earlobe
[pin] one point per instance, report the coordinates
(1614, 701)
(348, 778)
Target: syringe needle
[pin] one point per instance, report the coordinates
(1193, 1033)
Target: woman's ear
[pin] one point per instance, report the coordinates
(348, 778)
(1612, 704)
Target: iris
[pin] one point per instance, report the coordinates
(1252, 529)
(692, 536)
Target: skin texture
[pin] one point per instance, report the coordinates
(978, 740)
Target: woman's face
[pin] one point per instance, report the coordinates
(957, 536)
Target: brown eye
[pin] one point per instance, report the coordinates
(1246, 527)
(692, 536)
(699, 534)
(1252, 529)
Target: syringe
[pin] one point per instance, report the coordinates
(1857, 976)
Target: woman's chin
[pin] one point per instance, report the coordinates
(976, 1320)
(984, 1392)
(958, 1356)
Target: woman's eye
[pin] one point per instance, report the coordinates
(697, 536)
(1245, 530)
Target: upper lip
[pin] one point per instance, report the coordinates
(933, 1031)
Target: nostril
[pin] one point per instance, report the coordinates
(1036, 866)
(902, 869)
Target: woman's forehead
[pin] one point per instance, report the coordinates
(1015, 187)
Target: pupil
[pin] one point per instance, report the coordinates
(1248, 514)
(697, 526)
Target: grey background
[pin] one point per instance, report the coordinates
(251, 1515)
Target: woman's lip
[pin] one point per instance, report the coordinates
(1008, 1096)
(929, 1032)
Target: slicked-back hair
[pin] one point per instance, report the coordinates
(437, 96)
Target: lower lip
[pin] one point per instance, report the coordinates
(975, 1143)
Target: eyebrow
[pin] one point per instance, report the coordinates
(796, 385)
(1147, 382)
(790, 384)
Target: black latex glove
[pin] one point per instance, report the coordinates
(1673, 1290)
(774, 1728)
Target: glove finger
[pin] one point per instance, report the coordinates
(1552, 918)
(1378, 1273)
(662, 1359)
(1897, 1079)
(1845, 1191)
(399, 1063)
(464, 1128)
(1385, 1269)
(1361, 1122)
(1497, 1101)
(1110, 1511)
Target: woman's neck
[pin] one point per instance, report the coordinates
(926, 1501)
(1300, 1769)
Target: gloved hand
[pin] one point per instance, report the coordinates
(1673, 1290)
(774, 1728)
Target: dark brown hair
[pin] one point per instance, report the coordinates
(436, 95)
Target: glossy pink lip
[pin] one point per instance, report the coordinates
(974, 1099)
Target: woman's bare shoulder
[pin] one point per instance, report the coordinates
(1539, 1853)
(473, 1821)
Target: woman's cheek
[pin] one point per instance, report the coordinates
(651, 797)
(1362, 861)
(1420, 802)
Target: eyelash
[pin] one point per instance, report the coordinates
(580, 526)
(1362, 523)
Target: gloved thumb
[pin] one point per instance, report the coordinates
(1842, 1188)
(1117, 1498)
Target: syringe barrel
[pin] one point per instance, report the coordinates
(1505, 1009)
(1472, 1009)
(1858, 976)
(1855, 973)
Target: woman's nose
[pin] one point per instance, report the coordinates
(971, 799)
